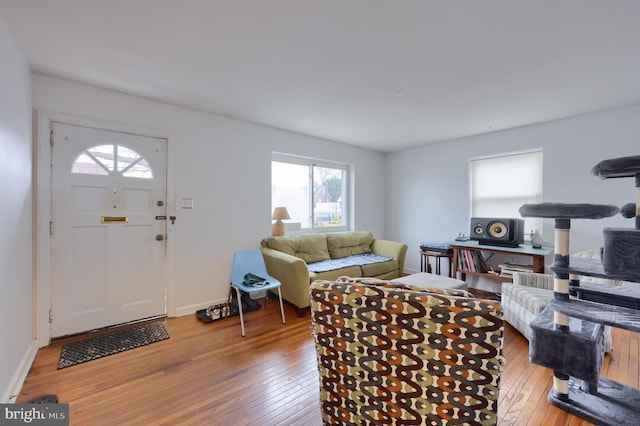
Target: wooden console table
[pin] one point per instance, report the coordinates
(537, 255)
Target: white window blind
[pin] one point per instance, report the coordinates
(502, 183)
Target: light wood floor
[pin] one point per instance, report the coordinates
(207, 374)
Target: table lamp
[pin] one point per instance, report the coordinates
(279, 213)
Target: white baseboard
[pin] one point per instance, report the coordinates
(191, 309)
(19, 376)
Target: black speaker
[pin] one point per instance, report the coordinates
(497, 232)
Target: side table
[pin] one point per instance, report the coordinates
(425, 266)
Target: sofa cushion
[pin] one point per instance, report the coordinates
(375, 269)
(351, 271)
(343, 244)
(530, 298)
(308, 247)
(345, 262)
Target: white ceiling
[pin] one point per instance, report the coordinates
(381, 74)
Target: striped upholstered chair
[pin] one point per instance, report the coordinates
(525, 298)
(391, 355)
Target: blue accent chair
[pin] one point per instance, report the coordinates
(251, 261)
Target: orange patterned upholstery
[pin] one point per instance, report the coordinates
(392, 355)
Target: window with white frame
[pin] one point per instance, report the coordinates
(501, 183)
(315, 192)
(112, 159)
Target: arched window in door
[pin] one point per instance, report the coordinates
(112, 159)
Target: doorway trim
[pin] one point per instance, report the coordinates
(42, 295)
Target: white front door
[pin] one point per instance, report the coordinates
(108, 228)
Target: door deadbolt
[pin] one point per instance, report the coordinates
(160, 203)
(159, 237)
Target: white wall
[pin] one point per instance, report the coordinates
(427, 187)
(224, 165)
(16, 330)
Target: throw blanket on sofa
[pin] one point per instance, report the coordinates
(344, 262)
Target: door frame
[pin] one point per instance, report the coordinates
(42, 269)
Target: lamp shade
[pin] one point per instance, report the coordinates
(280, 213)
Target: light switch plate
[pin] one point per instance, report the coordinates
(186, 203)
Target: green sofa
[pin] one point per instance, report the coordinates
(354, 254)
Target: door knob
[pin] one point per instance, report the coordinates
(159, 237)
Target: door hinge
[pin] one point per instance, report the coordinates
(51, 137)
(50, 227)
(50, 315)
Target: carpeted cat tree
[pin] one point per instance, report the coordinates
(567, 336)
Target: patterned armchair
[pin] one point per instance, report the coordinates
(391, 354)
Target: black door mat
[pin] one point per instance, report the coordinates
(248, 305)
(112, 343)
